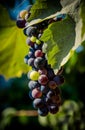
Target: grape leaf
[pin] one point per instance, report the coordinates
(59, 38)
(13, 47)
(56, 55)
(44, 8)
(83, 17)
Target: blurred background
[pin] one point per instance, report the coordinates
(16, 106)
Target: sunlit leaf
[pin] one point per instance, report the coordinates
(13, 47)
(59, 38)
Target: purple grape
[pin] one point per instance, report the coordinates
(57, 91)
(29, 42)
(20, 23)
(48, 101)
(58, 79)
(43, 79)
(50, 94)
(53, 109)
(52, 84)
(36, 93)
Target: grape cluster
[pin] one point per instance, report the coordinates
(44, 83)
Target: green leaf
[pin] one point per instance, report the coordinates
(13, 47)
(59, 39)
(44, 8)
(83, 17)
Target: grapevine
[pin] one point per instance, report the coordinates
(44, 82)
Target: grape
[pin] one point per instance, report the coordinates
(31, 54)
(50, 94)
(20, 23)
(39, 62)
(33, 84)
(52, 84)
(29, 42)
(55, 99)
(50, 73)
(34, 75)
(42, 71)
(38, 53)
(48, 101)
(43, 79)
(23, 13)
(30, 95)
(36, 93)
(38, 103)
(57, 90)
(30, 31)
(44, 89)
(38, 41)
(43, 111)
(28, 74)
(53, 109)
(33, 39)
(44, 83)
(31, 62)
(27, 16)
(58, 79)
(26, 59)
(36, 46)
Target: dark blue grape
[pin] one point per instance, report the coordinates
(30, 95)
(31, 54)
(59, 79)
(43, 111)
(44, 89)
(50, 73)
(39, 62)
(38, 103)
(33, 84)
(31, 62)
(38, 47)
(26, 59)
(30, 31)
(20, 23)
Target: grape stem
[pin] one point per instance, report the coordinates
(60, 71)
(26, 113)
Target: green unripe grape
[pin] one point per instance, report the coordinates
(33, 39)
(34, 75)
(38, 42)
